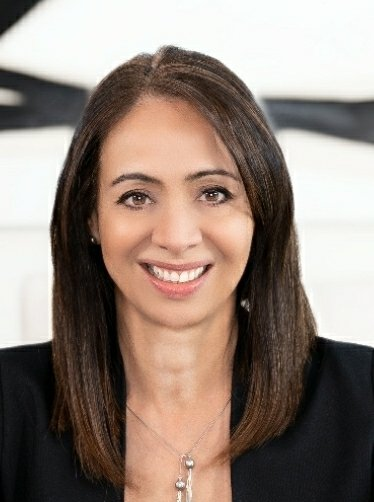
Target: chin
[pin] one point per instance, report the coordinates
(176, 319)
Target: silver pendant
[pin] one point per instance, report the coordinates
(180, 485)
(189, 464)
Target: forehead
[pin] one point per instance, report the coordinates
(166, 136)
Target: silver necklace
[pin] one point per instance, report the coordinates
(185, 459)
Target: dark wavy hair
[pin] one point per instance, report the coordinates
(276, 328)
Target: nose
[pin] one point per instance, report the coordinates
(177, 228)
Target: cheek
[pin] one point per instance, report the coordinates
(119, 237)
(235, 237)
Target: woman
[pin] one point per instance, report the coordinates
(184, 363)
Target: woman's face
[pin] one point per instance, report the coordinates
(173, 219)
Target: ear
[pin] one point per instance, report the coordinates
(93, 225)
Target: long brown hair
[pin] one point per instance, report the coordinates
(276, 327)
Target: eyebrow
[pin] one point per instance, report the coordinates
(190, 177)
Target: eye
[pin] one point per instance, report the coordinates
(134, 200)
(217, 195)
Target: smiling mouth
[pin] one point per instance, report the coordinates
(174, 276)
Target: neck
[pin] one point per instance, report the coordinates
(168, 369)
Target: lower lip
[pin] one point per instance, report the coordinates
(177, 290)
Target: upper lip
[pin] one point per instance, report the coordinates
(177, 266)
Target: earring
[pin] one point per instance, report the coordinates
(93, 240)
(245, 304)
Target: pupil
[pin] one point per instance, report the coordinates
(137, 198)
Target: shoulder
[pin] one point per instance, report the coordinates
(338, 345)
(347, 357)
(342, 373)
(24, 352)
(26, 382)
(25, 362)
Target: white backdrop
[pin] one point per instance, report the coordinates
(288, 48)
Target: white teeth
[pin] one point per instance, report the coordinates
(157, 272)
(174, 276)
(199, 271)
(184, 277)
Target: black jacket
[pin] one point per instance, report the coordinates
(326, 456)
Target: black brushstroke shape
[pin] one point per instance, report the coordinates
(47, 103)
(11, 11)
(343, 119)
(44, 102)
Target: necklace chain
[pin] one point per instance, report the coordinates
(195, 444)
(181, 485)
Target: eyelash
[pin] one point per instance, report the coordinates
(133, 193)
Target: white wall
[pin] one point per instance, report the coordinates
(333, 184)
(30, 164)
